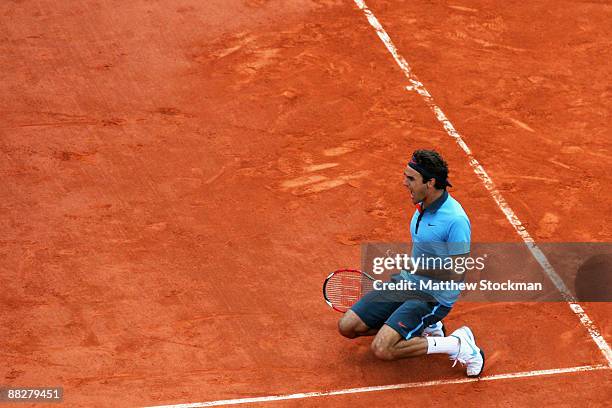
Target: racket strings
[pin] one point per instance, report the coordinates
(345, 289)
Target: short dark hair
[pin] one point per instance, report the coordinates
(434, 164)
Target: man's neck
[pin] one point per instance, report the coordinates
(433, 196)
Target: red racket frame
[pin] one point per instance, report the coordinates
(356, 292)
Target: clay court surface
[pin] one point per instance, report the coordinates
(178, 178)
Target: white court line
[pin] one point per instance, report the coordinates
(537, 253)
(509, 376)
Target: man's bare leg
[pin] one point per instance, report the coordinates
(350, 325)
(389, 345)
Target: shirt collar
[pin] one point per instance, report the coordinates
(435, 206)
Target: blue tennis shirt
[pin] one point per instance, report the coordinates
(441, 230)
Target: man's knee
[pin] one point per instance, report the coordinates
(384, 343)
(382, 351)
(350, 325)
(346, 330)
(346, 327)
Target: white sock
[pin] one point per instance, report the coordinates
(442, 345)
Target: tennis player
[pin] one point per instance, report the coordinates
(410, 328)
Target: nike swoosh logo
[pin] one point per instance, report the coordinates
(474, 352)
(431, 225)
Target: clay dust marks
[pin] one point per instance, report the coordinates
(521, 125)
(302, 181)
(312, 184)
(337, 151)
(548, 225)
(517, 123)
(489, 34)
(322, 166)
(462, 8)
(329, 175)
(245, 53)
(245, 56)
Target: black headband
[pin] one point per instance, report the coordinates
(427, 175)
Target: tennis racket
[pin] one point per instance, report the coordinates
(344, 287)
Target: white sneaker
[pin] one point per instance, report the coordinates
(469, 354)
(434, 330)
